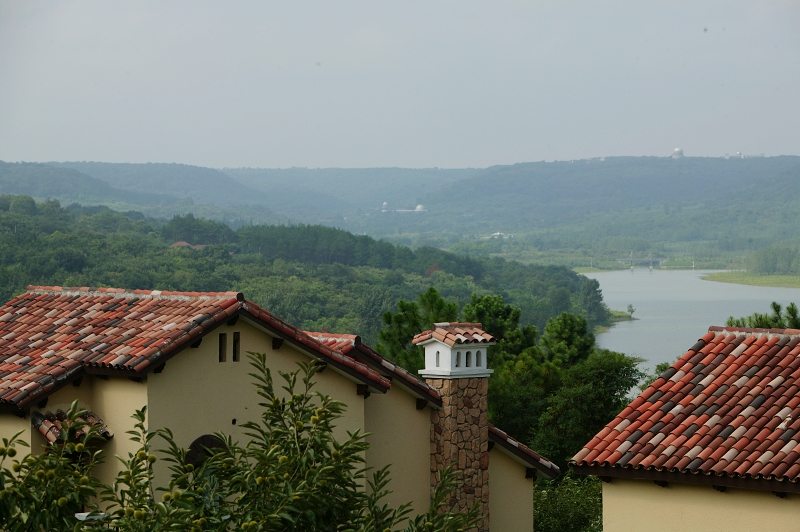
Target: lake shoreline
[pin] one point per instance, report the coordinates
(741, 277)
(673, 308)
(616, 317)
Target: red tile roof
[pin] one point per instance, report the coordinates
(51, 335)
(342, 343)
(51, 425)
(183, 244)
(455, 333)
(727, 413)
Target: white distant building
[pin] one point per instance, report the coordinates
(677, 153)
(418, 208)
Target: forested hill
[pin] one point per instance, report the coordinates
(560, 192)
(313, 276)
(67, 184)
(328, 194)
(527, 196)
(715, 210)
(203, 185)
(161, 191)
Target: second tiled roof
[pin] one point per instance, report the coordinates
(729, 407)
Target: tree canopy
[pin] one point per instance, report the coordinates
(780, 318)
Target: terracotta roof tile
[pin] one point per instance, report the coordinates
(58, 333)
(729, 407)
(452, 333)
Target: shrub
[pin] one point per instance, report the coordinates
(44, 491)
(569, 504)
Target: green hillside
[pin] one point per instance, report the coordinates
(709, 209)
(67, 184)
(202, 185)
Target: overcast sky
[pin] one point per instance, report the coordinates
(412, 84)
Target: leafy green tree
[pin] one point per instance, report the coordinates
(520, 390)
(518, 393)
(22, 205)
(197, 231)
(411, 318)
(779, 319)
(589, 302)
(592, 393)
(503, 322)
(567, 339)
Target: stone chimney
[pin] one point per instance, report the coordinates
(456, 366)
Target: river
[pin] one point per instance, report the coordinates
(674, 308)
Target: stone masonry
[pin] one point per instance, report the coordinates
(460, 436)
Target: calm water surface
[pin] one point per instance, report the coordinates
(674, 308)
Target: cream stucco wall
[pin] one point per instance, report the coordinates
(115, 400)
(11, 424)
(510, 494)
(196, 394)
(641, 505)
(400, 436)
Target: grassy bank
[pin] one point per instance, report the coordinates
(616, 317)
(786, 281)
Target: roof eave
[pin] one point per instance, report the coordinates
(522, 457)
(345, 371)
(760, 484)
(369, 358)
(23, 406)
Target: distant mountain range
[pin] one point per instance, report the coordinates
(70, 185)
(654, 198)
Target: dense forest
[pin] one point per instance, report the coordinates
(780, 259)
(316, 277)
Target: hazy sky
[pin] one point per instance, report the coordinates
(414, 84)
